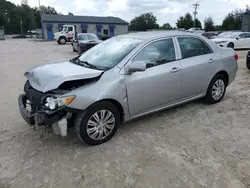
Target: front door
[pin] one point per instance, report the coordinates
(70, 33)
(160, 84)
(50, 33)
(198, 66)
(240, 41)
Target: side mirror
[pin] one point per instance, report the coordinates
(136, 66)
(237, 38)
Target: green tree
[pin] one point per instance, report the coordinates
(218, 28)
(187, 22)
(43, 10)
(143, 22)
(48, 10)
(198, 23)
(233, 20)
(166, 26)
(11, 16)
(209, 24)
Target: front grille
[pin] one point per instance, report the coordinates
(34, 96)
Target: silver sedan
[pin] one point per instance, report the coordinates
(123, 78)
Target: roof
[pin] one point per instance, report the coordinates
(82, 19)
(157, 34)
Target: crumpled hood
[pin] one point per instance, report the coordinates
(50, 76)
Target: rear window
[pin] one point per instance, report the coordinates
(82, 37)
(191, 47)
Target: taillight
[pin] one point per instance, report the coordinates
(236, 56)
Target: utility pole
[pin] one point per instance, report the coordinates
(39, 5)
(21, 23)
(196, 6)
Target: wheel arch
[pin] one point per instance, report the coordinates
(223, 73)
(116, 104)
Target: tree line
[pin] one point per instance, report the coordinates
(148, 21)
(14, 18)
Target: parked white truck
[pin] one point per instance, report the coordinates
(66, 34)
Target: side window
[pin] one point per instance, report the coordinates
(70, 28)
(191, 47)
(242, 35)
(207, 50)
(156, 53)
(247, 35)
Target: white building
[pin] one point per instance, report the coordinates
(110, 26)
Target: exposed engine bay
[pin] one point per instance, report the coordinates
(43, 108)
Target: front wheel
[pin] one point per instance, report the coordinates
(230, 45)
(216, 89)
(98, 123)
(62, 40)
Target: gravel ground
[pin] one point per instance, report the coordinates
(193, 145)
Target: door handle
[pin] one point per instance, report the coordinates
(211, 61)
(175, 69)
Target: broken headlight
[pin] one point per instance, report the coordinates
(52, 102)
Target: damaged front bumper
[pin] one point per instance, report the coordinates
(55, 119)
(40, 117)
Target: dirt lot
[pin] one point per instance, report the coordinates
(194, 145)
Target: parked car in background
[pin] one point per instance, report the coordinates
(195, 30)
(210, 34)
(233, 39)
(125, 77)
(84, 41)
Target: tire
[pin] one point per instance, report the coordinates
(217, 80)
(230, 45)
(62, 40)
(79, 51)
(82, 123)
(248, 60)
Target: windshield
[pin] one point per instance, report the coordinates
(228, 35)
(110, 52)
(82, 37)
(64, 28)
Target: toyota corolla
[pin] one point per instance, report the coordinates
(123, 78)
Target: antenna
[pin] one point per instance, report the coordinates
(196, 6)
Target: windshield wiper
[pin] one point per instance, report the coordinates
(86, 63)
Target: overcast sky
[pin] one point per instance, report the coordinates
(165, 10)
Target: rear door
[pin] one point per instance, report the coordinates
(198, 66)
(247, 45)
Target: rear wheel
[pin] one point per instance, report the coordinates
(230, 45)
(98, 123)
(216, 89)
(248, 60)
